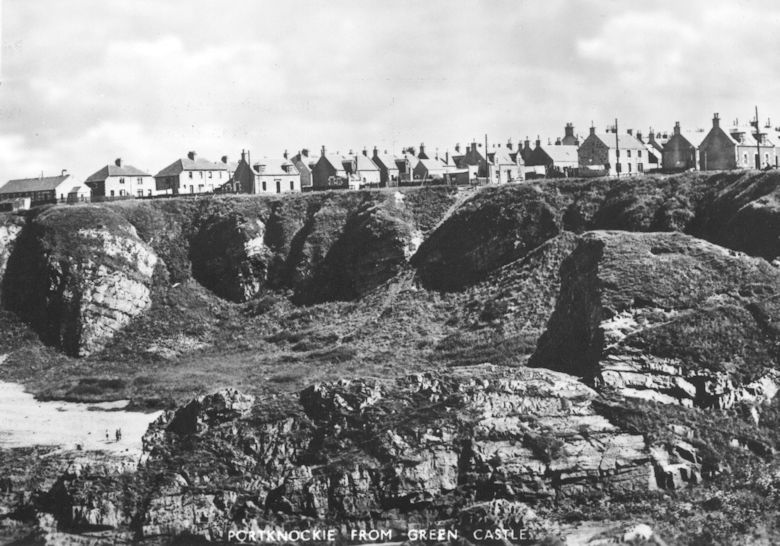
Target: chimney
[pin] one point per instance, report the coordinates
(243, 156)
(422, 154)
(63, 173)
(224, 159)
(568, 131)
(365, 152)
(285, 154)
(630, 132)
(509, 144)
(323, 150)
(457, 147)
(716, 120)
(558, 141)
(305, 152)
(473, 146)
(191, 155)
(639, 137)
(527, 144)
(376, 152)
(676, 127)
(592, 130)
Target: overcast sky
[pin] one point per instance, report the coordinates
(86, 81)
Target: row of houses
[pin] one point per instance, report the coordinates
(609, 153)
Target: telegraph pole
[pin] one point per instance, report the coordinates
(758, 142)
(487, 162)
(617, 149)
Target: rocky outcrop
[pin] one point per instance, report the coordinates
(470, 448)
(78, 276)
(664, 316)
(487, 231)
(373, 247)
(229, 257)
(10, 228)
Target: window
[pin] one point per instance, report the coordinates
(140, 192)
(140, 180)
(112, 193)
(201, 173)
(628, 153)
(640, 167)
(200, 188)
(278, 186)
(744, 160)
(264, 188)
(149, 192)
(210, 174)
(190, 173)
(220, 174)
(639, 154)
(629, 167)
(292, 185)
(122, 180)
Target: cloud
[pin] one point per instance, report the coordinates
(87, 81)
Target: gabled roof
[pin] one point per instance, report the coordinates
(304, 162)
(561, 153)
(275, 166)
(624, 141)
(432, 164)
(197, 164)
(114, 170)
(748, 136)
(46, 183)
(500, 156)
(335, 161)
(364, 163)
(694, 138)
(385, 161)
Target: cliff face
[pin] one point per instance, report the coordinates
(78, 277)
(456, 449)
(575, 340)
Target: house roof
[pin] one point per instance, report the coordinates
(335, 161)
(748, 138)
(46, 183)
(500, 155)
(386, 161)
(275, 166)
(197, 164)
(432, 164)
(561, 153)
(308, 162)
(364, 163)
(624, 141)
(114, 170)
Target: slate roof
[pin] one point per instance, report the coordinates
(197, 164)
(336, 161)
(114, 170)
(625, 141)
(432, 165)
(561, 153)
(364, 163)
(274, 166)
(749, 139)
(385, 160)
(46, 183)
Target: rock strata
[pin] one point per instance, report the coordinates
(666, 317)
(78, 277)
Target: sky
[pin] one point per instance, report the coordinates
(83, 82)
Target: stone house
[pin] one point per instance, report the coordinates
(360, 167)
(192, 174)
(118, 180)
(305, 163)
(681, 151)
(268, 175)
(427, 170)
(47, 189)
(557, 159)
(739, 147)
(329, 172)
(505, 166)
(616, 154)
(388, 169)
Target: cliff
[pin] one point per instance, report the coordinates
(534, 357)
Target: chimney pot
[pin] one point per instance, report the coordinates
(118, 162)
(224, 159)
(365, 152)
(630, 132)
(191, 155)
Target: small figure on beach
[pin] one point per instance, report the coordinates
(118, 434)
